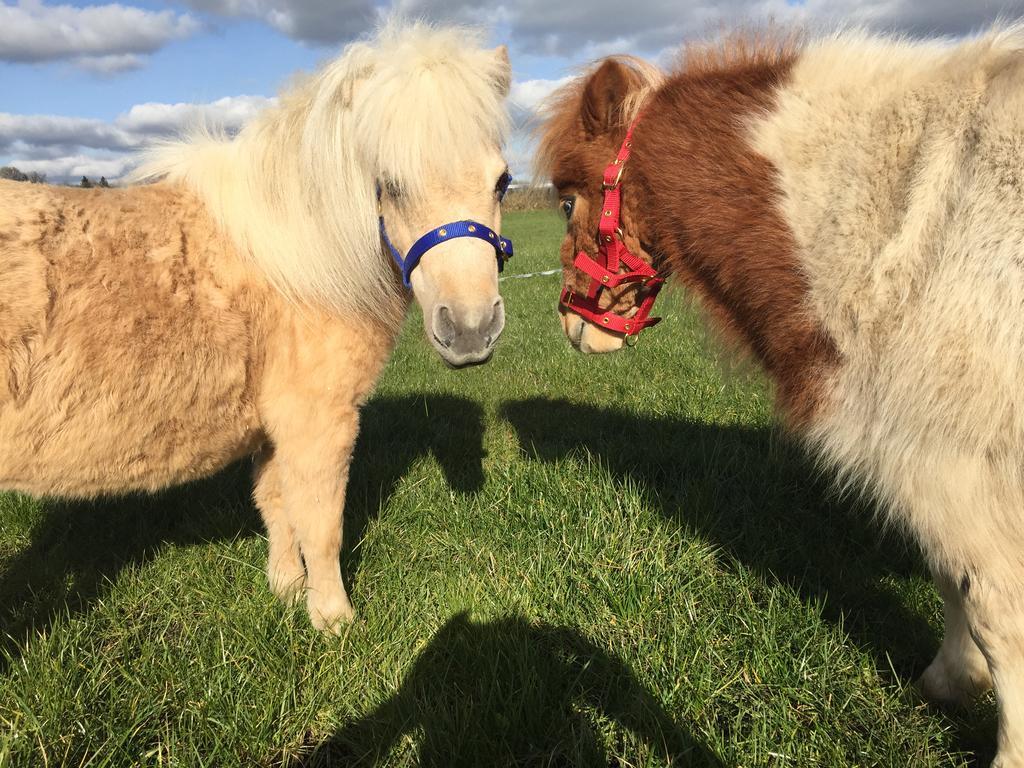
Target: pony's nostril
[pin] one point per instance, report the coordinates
(493, 328)
(444, 326)
(576, 333)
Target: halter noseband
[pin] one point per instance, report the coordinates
(465, 228)
(612, 252)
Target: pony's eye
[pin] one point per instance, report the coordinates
(567, 204)
(501, 186)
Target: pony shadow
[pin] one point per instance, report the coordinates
(394, 433)
(756, 495)
(78, 547)
(509, 692)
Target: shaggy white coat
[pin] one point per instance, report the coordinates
(902, 168)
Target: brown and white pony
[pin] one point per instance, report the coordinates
(245, 302)
(851, 212)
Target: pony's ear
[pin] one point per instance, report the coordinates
(504, 81)
(603, 96)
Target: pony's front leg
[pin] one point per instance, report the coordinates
(313, 471)
(959, 671)
(285, 573)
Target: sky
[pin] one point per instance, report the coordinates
(85, 84)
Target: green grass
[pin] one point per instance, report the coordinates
(555, 560)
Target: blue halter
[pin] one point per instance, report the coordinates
(466, 228)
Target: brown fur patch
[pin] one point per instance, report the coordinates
(697, 195)
(738, 50)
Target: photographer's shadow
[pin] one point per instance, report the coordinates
(77, 547)
(509, 692)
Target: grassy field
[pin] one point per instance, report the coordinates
(555, 560)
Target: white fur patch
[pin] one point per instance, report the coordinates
(902, 171)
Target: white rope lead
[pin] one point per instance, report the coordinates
(545, 273)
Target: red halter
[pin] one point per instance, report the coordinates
(612, 251)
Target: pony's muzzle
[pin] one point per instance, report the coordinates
(467, 337)
(588, 338)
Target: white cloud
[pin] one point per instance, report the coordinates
(112, 64)
(156, 119)
(52, 130)
(528, 94)
(311, 21)
(62, 147)
(103, 38)
(73, 167)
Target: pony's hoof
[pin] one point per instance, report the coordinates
(287, 583)
(951, 691)
(1005, 760)
(331, 616)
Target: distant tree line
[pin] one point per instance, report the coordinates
(15, 174)
(530, 198)
(87, 184)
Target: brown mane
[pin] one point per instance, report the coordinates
(738, 50)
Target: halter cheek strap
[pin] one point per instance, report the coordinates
(456, 229)
(613, 253)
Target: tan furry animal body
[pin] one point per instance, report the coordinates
(153, 334)
(851, 211)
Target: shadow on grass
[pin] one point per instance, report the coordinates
(79, 546)
(395, 432)
(508, 692)
(755, 495)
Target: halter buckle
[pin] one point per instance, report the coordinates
(618, 177)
